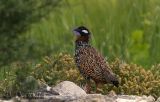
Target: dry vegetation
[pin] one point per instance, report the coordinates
(134, 79)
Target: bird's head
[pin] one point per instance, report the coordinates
(82, 34)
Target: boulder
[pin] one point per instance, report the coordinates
(158, 100)
(69, 88)
(67, 91)
(133, 98)
(87, 98)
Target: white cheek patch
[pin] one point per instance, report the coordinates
(76, 33)
(85, 31)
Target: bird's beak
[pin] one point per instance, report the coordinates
(76, 33)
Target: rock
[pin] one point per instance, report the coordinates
(132, 98)
(45, 90)
(91, 98)
(14, 99)
(94, 98)
(87, 98)
(69, 88)
(151, 99)
(67, 91)
(158, 100)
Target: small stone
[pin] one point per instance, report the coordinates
(158, 100)
(151, 99)
(69, 88)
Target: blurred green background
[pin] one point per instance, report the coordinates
(125, 29)
(37, 43)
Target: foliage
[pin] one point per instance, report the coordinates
(16, 16)
(18, 81)
(133, 79)
(59, 68)
(127, 29)
(24, 77)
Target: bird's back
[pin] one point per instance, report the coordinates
(93, 65)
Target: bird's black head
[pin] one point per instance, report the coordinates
(82, 33)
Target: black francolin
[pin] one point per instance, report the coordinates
(91, 64)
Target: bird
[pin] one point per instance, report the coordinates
(90, 63)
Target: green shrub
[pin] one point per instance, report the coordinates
(59, 68)
(18, 81)
(134, 79)
(16, 16)
(25, 77)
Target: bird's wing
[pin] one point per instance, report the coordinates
(94, 65)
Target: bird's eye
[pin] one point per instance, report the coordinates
(85, 31)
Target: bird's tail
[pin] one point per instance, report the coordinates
(111, 78)
(115, 83)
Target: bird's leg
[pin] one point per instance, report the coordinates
(98, 87)
(88, 87)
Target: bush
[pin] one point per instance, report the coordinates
(25, 77)
(59, 68)
(16, 16)
(134, 79)
(18, 81)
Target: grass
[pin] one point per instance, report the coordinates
(120, 28)
(127, 29)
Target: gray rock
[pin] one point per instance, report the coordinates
(67, 91)
(69, 88)
(94, 98)
(158, 100)
(133, 98)
(151, 99)
(91, 98)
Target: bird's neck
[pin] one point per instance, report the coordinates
(80, 44)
